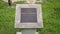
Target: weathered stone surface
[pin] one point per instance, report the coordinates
(38, 24)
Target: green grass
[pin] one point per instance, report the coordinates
(51, 18)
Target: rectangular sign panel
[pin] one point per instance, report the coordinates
(28, 15)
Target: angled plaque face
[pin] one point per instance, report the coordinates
(28, 15)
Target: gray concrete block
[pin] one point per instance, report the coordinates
(21, 33)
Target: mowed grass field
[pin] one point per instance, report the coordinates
(51, 18)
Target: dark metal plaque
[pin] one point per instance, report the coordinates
(28, 15)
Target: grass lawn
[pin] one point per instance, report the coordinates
(51, 18)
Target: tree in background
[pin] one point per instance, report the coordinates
(9, 2)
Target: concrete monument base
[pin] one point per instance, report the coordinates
(21, 33)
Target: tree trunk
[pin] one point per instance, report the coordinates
(9, 2)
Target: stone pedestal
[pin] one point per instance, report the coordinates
(21, 33)
(28, 18)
